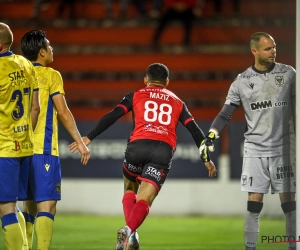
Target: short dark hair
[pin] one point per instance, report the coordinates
(255, 38)
(32, 42)
(157, 72)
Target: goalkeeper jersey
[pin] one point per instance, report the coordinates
(17, 83)
(46, 131)
(268, 99)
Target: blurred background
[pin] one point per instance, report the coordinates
(102, 49)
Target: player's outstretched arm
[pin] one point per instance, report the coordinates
(73, 146)
(212, 171)
(198, 137)
(67, 119)
(105, 122)
(204, 155)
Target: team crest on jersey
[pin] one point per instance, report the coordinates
(279, 80)
(244, 180)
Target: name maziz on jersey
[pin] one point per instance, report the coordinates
(159, 96)
(266, 104)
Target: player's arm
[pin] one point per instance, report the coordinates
(198, 136)
(218, 124)
(67, 119)
(106, 121)
(35, 108)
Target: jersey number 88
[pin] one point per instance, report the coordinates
(161, 112)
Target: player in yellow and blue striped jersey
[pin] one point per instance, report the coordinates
(19, 109)
(45, 170)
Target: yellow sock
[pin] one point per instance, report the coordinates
(29, 234)
(29, 219)
(23, 228)
(44, 230)
(13, 236)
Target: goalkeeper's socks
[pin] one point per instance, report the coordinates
(251, 230)
(289, 209)
(129, 200)
(138, 214)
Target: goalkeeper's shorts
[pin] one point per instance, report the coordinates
(260, 173)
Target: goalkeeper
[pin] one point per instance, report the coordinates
(266, 90)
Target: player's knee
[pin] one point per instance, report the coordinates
(254, 206)
(288, 206)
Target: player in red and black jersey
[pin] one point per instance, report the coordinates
(151, 146)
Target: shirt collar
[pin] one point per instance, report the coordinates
(37, 64)
(9, 53)
(264, 71)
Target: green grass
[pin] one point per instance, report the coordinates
(72, 232)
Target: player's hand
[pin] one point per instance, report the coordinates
(73, 146)
(209, 140)
(203, 151)
(212, 171)
(85, 153)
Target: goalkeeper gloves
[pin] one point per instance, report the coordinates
(203, 151)
(209, 140)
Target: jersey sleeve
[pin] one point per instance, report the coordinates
(34, 79)
(185, 115)
(233, 96)
(293, 81)
(56, 84)
(188, 121)
(110, 118)
(126, 102)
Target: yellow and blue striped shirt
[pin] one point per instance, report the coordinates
(17, 83)
(46, 131)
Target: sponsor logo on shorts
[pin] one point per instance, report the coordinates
(134, 169)
(58, 188)
(153, 172)
(284, 172)
(47, 166)
(244, 180)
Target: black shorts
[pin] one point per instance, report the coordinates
(148, 160)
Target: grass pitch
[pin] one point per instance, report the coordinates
(88, 232)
